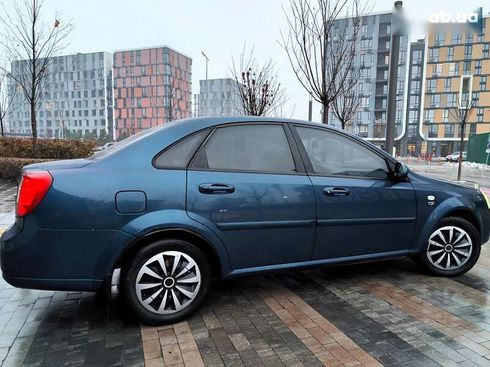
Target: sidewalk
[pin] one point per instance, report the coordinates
(387, 313)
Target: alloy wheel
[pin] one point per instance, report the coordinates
(168, 282)
(449, 248)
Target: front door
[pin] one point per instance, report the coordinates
(246, 184)
(360, 210)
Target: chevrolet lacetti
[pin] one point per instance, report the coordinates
(177, 205)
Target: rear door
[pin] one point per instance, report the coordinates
(248, 184)
(361, 211)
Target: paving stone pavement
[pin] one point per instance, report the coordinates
(386, 313)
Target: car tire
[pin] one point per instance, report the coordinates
(183, 284)
(455, 239)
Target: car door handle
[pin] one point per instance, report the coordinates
(216, 189)
(336, 191)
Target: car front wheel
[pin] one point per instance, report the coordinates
(167, 281)
(453, 248)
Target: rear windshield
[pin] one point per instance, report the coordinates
(123, 143)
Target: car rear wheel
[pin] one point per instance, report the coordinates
(167, 281)
(453, 248)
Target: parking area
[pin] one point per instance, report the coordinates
(375, 314)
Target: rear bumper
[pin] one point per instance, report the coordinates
(89, 285)
(59, 259)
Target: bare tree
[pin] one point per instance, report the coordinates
(30, 45)
(257, 87)
(173, 95)
(6, 99)
(321, 44)
(345, 106)
(462, 113)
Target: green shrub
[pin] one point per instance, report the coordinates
(46, 148)
(11, 168)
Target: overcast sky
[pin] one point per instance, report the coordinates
(218, 27)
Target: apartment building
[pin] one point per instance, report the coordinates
(218, 97)
(375, 50)
(457, 69)
(76, 99)
(151, 86)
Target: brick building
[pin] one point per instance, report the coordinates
(151, 86)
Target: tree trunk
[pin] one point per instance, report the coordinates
(461, 147)
(325, 114)
(1, 128)
(34, 128)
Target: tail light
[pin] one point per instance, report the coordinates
(32, 189)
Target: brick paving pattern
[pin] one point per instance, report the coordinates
(386, 313)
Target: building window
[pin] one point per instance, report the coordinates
(483, 82)
(479, 115)
(366, 43)
(433, 54)
(448, 130)
(450, 53)
(413, 116)
(445, 115)
(367, 60)
(453, 69)
(437, 70)
(486, 49)
(439, 41)
(414, 86)
(431, 85)
(429, 115)
(447, 84)
(467, 51)
(365, 73)
(469, 38)
(476, 98)
(456, 39)
(417, 71)
(466, 67)
(417, 57)
(414, 101)
(478, 67)
(451, 100)
(364, 102)
(435, 100)
(401, 58)
(433, 131)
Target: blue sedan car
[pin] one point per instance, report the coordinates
(177, 205)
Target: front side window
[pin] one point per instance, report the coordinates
(335, 155)
(252, 148)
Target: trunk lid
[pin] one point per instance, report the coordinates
(57, 165)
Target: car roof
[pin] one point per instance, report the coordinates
(210, 121)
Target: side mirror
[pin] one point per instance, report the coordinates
(399, 171)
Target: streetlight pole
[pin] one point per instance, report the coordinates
(392, 80)
(310, 109)
(207, 60)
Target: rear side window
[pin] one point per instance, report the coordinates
(252, 148)
(179, 154)
(336, 155)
